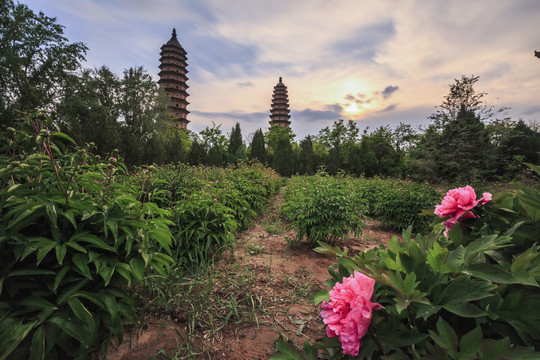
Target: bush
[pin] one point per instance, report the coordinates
(474, 295)
(72, 241)
(397, 203)
(321, 208)
(208, 205)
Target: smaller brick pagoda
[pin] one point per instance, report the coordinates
(279, 113)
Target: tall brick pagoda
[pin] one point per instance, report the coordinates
(172, 78)
(279, 113)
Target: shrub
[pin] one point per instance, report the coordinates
(321, 208)
(72, 241)
(474, 295)
(203, 226)
(397, 203)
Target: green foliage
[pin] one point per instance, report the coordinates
(279, 141)
(236, 148)
(474, 295)
(257, 147)
(457, 145)
(397, 203)
(208, 204)
(127, 113)
(204, 226)
(73, 239)
(321, 209)
(37, 60)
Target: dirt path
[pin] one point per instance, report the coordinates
(282, 278)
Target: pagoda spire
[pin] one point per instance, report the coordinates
(279, 112)
(173, 78)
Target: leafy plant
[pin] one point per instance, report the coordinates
(321, 208)
(72, 242)
(473, 295)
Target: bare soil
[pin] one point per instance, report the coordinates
(285, 277)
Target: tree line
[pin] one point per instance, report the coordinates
(127, 115)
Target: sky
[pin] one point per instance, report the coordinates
(375, 62)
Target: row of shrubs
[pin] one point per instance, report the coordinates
(207, 205)
(326, 208)
(468, 289)
(78, 233)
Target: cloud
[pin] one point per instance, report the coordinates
(235, 115)
(314, 115)
(388, 108)
(334, 107)
(532, 110)
(350, 97)
(245, 84)
(365, 40)
(388, 91)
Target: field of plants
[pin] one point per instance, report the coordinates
(89, 249)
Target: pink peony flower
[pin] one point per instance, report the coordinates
(348, 314)
(457, 204)
(486, 197)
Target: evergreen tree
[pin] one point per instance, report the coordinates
(279, 140)
(257, 147)
(283, 161)
(457, 146)
(197, 153)
(235, 144)
(307, 160)
(520, 144)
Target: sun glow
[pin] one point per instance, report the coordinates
(353, 109)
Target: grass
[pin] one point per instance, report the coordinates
(205, 301)
(255, 249)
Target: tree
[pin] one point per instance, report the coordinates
(457, 146)
(215, 144)
(339, 141)
(236, 145)
(197, 153)
(377, 155)
(91, 108)
(520, 144)
(463, 98)
(128, 113)
(307, 160)
(36, 60)
(279, 140)
(257, 147)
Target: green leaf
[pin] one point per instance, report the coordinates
(319, 296)
(287, 352)
(467, 310)
(44, 248)
(456, 258)
(70, 327)
(80, 310)
(446, 337)
(137, 268)
(163, 238)
(14, 335)
(81, 263)
(489, 272)
(37, 347)
(94, 240)
(60, 276)
(470, 343)
(63, 136)
(60, 253)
